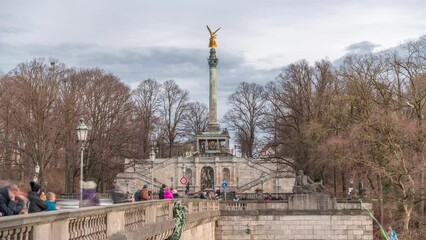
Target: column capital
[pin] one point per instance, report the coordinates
(212, 60)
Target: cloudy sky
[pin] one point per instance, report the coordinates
(168, 39)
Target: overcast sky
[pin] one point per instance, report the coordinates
(168, 39)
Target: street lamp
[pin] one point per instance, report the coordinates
(278, 180)
(171, 182)
(152, 158)
(127, 185)
(82, 137)
(238, 183)
(351, 188)
(183, 169)
(37, 171)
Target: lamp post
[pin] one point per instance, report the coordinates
(351, 187)
(171, 182)
(183, 169)
(278, 180)
(127, 185)
(262, 180)
(37, 172)
(152, 158)
(238, 183)
(82, 131)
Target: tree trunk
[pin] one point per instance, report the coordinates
(380, 188)
(334, 179)
(343, 183)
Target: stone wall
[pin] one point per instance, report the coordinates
(295, 226)
(312, 218)
(205, 231)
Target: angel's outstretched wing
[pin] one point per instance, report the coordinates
(216, 30)
(210, 31)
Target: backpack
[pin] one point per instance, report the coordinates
(137, 196)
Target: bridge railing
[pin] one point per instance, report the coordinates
(144, 220)
(282, 205)
(100, 222)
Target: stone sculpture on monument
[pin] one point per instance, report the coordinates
(310, 195)
(304, 184)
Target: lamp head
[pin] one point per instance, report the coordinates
(152, 155)
(82, 131)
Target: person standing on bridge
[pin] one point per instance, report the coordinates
(35, 203)
(161, 193)
(144, 193)
(90, 196)
(168, 193)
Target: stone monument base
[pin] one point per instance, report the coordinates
(311, 201)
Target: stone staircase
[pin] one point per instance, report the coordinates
(141, 172)
(267, 172)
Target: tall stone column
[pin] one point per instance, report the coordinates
(213, 60)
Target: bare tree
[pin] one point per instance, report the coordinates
(299, 111)
(147, 100)
(409, 69)
(246, 114)
(195, 120)
(30, 98)
(384, 141)
(174, 105)
(109, 110)
(70, 103)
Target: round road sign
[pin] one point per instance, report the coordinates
(184, 180)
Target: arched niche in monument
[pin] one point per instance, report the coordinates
(207, 178)
(188, 175)
(226, 175)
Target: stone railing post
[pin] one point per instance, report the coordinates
(150, 214)
(57, 230)
(115, 223)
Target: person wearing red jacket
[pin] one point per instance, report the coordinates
(144, 193)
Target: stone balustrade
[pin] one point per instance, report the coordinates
(282, 206)
(206, 219)
(151, 219)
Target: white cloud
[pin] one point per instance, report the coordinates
(167, 39)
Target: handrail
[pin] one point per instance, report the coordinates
(255, 182)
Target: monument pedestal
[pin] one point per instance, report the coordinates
(311, 201)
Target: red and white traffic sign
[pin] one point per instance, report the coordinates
(184, 180)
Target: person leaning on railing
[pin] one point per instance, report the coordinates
(12, 201)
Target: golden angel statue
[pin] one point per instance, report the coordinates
(212, 41)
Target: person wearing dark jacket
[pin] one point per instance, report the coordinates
(36, 204)
(11, 202)
(161, 193)
(119, 196)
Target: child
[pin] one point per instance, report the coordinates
(43, 196)
(51, 202)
